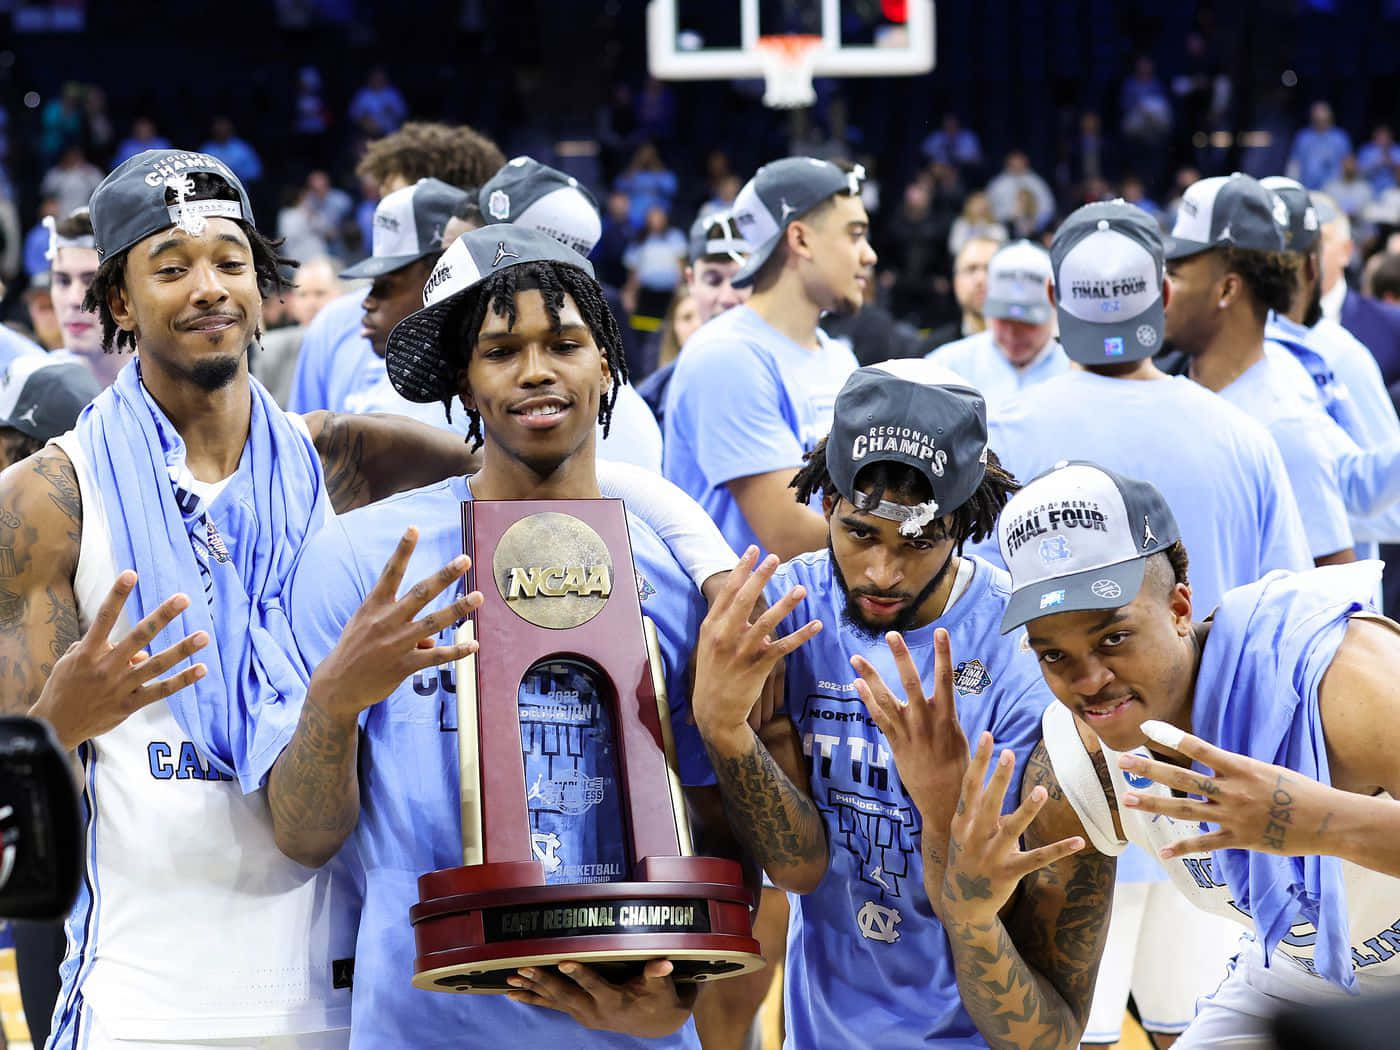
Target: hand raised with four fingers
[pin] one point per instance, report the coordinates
(650, 1005)
(383, 643)
(735, 655)
(1254, 805)
(96, 684)
(985, 859)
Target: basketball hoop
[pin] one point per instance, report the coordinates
(788, 61)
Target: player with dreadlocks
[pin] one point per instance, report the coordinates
(878, 953)
(516, 329)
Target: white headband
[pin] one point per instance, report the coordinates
(56, 241)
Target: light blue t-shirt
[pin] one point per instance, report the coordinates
(1267, 394)
(13, 345)
(746, 400)
(410, 812)
(335, 361)
(868, 964)
(979, 360)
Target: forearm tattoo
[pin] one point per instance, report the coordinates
(342, 450)
(778, 825)
(1280, 814)
(313, 789)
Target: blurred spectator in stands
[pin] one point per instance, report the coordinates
(1318, 149)
(1004, 191)
(957, 146)
(143, 136)
(654, 262)
(616, 237)
(1378, 159)
(680, 323)
(317, 283)
(617, 128)
(1085, 159)
(1147, 121)
(976, 220)
(241, 158)
(43, 319)
(725, 190)
(648, 184)
(969, 289)
(299, 226)
(36, 241)
(11, 240)
(1132, 190)
(71, 180)
(378, 108)
(656, 112)
(913, 251)
(1030, 222)
(1350, 189)
(332, 207)
(1184, 178)
(98, 132)
(311, 119)
(946, 185)
(61, 123)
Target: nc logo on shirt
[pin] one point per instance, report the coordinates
(971, 677)
(877, 922)
(1055, 548)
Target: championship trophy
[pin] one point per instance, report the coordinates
(575, 839)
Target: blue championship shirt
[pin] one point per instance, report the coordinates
(409, 802)
(868, 964)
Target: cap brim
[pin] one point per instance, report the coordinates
(413, 355)
(1110, 587)
(1180, 248)
(379, 265)
(746, 274)
(1026, 313)
(1088, 343)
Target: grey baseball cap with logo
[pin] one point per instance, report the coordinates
(1017, 277)
(715, 235)
(154, 191)
(528, 193)
(408, 225)
(41, 395)
(1304, 228)
(415, 355)
(1107, 259)
(939, 430)
(1078, 537)
(1227, 210)
(778, 194)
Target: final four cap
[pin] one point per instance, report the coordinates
(716, 235)
(153, 191)
(1078, 537)
(408, 226)
(1107, 259)
(940, 431)
(528, 193)
(42, 394)
(1227, 209)
(778, 194)
(1304, 227)
(1016, 283)
(416, 353)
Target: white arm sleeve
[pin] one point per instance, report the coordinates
(694, 539)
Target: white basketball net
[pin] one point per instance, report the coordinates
(788, 62)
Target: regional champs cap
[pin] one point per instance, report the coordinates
(1304, 228)
(778, 194)
(1107, 259)
(941, 431)
(1078, 537)
(716, 234)
(414, 355)
(41, 395)
(408, 225)
(1227, 209)
(528, 193)
(1016, 279)
(153, 191)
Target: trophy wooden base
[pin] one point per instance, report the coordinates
(477, 925)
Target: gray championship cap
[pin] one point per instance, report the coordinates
(1304, 228)
(1227, 210)
(1017, 278)
(415, 356)
(1107, 259)
(153, 191)
(408, 226)
(1078, 537)
(778, 194)
(534, 195)
(716, 235)
(41, 395)
(940, 431)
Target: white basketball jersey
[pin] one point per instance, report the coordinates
(190, 922)
(1373, 899)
